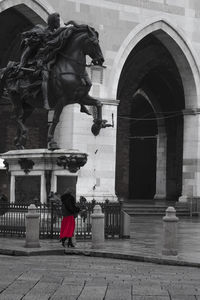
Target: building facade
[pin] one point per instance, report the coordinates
(149, 90)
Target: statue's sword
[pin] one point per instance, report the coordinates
(27, 69)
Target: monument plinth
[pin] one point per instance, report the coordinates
(36, 172)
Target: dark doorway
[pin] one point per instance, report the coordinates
(142, 168)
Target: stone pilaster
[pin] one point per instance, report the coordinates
(191, 155)
(97, 178)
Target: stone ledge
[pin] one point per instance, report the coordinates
(101, 253)
(116, 255)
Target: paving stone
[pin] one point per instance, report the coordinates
(151, 298)
(93, 292)
(182, 297)
(114, 293)
(66, 291)
(31, 275)
(10, 297)
(51, 278)
(41, 291)
(182, 291)
(18, 288)
(73, 281)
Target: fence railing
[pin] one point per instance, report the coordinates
(13, 217)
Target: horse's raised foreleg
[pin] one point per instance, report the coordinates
(52, 145)
(98, 121)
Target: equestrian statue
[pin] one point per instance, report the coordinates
(52, 74)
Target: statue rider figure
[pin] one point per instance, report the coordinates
(36, 44)
(32, 42)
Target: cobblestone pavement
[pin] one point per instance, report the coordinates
(87, 278)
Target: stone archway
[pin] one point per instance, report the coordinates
(178, 45)
(156, 59)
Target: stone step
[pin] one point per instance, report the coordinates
(154, 208)
(146, 208)
(186, 214)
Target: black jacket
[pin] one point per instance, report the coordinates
(69, 207)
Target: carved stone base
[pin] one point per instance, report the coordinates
(42, 167)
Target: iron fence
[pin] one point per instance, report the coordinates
(13, 218)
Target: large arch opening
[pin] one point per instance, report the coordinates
(152, 97)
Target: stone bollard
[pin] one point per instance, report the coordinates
(170, 232)
(126, 225)
(97, 227)
(32, 227)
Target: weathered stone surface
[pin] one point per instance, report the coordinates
(87, 278)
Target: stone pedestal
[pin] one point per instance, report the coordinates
(36, 172)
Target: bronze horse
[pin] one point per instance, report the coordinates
(66, 84)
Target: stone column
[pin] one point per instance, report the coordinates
(43, 192)
(170, 232)
(97, 227)
(12, 188)
(53, 183)
(32, 227)
(191, 156)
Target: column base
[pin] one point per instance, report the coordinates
(32, 245)
(183, 199)
(170, 252)
(161, 197)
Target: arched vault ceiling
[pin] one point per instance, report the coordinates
(151, 66)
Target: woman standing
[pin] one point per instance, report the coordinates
(69, 211)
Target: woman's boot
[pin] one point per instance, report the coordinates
(63, 241)
(70, 244)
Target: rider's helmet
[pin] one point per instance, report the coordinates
(53, 21)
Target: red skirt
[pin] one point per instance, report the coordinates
(67, 227)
